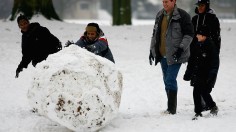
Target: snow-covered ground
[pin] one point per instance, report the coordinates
(143, 98)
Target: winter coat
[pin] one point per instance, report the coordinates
(203, 64)
(37, 44)
(99, 46)
(179, 35)
(210, 20)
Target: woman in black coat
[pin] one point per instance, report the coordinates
(202, 70)
(206, 16)
(37, 43)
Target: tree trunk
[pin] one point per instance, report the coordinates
(31, 7)
(121, 12)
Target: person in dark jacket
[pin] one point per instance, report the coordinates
(202, 70)
(94, 41)
(37, 43)
(170, 45)
(206, 16)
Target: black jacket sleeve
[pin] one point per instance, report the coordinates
(214, 67)
(190, 66)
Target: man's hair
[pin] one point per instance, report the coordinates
(93, 26)
(22, 17)
(173, 0)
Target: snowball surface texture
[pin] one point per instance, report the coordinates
(77, 89)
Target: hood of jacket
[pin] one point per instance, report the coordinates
(32, 27)
(202, 16)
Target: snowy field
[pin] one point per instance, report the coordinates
(143, 98)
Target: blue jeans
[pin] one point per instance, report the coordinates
(170, 73)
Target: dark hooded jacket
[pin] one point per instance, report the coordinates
(99, 46)
(37, 44)
(210, 20)
(203, 64)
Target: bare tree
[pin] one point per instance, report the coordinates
(31, 7)
(121, 12)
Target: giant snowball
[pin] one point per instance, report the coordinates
(77, 89)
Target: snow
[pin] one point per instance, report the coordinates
(143, 97)
(76, 88)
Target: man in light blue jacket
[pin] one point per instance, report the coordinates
(170, 45)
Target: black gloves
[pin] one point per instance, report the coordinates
(177, 54)
(18, 70)
(68, 43)
(151, 58)
(91, 48)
